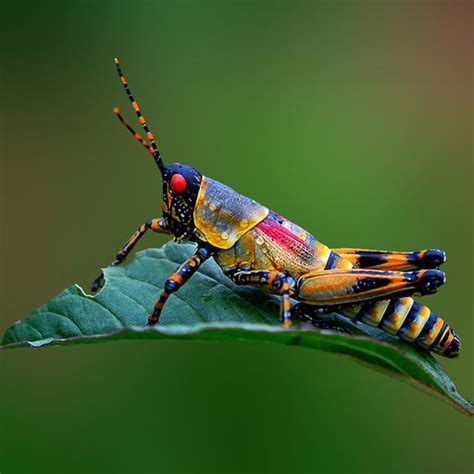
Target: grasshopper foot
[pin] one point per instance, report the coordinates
(98, 282)
(154, 317)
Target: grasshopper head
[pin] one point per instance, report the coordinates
(181, 184)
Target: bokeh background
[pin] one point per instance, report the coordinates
(351, 118)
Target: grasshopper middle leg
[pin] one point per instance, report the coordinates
(274, 280)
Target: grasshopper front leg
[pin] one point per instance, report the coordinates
(273, 280)
(386, 260)
(178, 278)
(334, 287)
(155, 224)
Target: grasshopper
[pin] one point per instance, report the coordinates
(256, 246)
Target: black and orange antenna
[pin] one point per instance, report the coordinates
(152, 148)
(136, 135)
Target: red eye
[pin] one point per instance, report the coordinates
(178, 183)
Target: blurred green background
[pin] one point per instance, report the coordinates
(352, 119)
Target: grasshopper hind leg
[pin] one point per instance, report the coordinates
(333, 287)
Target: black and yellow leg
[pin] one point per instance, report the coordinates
(333, 287)
(177, 279)
(274, 281)
(156, 224)
(386, 260)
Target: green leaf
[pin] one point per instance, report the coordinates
(211, 307)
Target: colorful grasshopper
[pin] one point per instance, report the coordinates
(255, 246)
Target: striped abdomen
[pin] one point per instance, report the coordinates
(409, 320)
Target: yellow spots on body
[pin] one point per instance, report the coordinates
(431, 336)
(395, 323)
(414, 329)
(397, 318)
(376, 313)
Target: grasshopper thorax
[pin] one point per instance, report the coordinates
(181, 184)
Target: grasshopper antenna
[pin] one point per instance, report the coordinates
(153, 146)
(136, 135)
